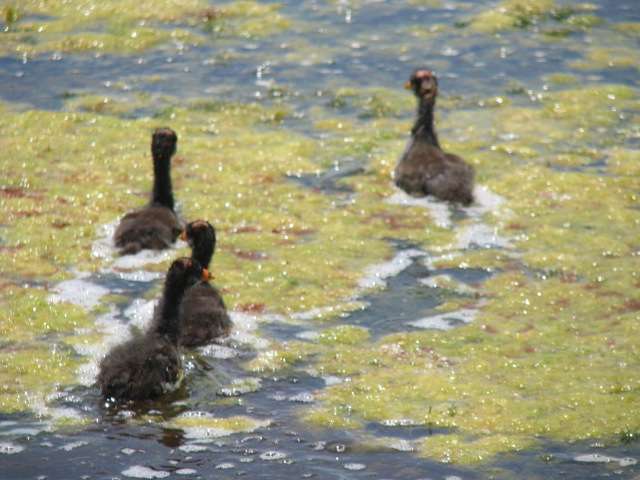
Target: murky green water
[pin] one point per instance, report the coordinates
(377, 336)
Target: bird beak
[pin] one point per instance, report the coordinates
(407, 85)
(205, 275)
(183, 236)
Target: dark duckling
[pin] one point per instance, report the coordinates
(148, 365)
(424, 169)
(203, 314)
(155, 226)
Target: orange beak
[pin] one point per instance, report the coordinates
(206, 275)
(183, 236)
(407, 85)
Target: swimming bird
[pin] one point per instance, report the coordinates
(424, 169)
(155, 226)
(203, 314)
(149, 365)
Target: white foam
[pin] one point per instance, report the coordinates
(7, 448)
(481, 235)
(104, 248)
(204, 433)
(244, 326)
(139, 471)
(308, 335)
(331, 380)
(73, 445)
(142, 258)
(140, 312)
(435, 282)
(186, 471)
(375, 275)
(135, 276)
(485, 201)
(302, 397)
(355, 466)
(241, 386)
(218, 351)
(78, 291)
(272, 455)
(598, 458)
(439, 211)
(193, 447)
(114, 331)
(446, 321)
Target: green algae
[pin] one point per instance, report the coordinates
(559, 20)
(207, 426)
(30, 372)
(124, 26)
(555, 339)
(28, 314)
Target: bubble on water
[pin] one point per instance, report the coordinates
(247, 459)
(272, 455)
(225, 466)
(78, 291)
(355, 466)
(219, 351)
(128, 451)
(439, 211)
(7, 448)
(375, 275)
(302, 397)
(186, 471)
(452, 477)
(446, 321)
(192, 448)
(139, 471)
(73, 445)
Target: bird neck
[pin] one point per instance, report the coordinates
(162, 191)
(424, 125)
(169, 315)
(202, 252)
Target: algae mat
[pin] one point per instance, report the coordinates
(547, 349)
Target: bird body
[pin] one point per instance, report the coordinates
(203, 314)
(155, 226)
(424, 169)
(149, 365)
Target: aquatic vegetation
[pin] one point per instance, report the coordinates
(518, 14)
(125, 26)
(28, 315)
(546, 349)
(201, 425)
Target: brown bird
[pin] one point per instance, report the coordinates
(149, 365)
(155, 226)
(424, 169)
(203, 314)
